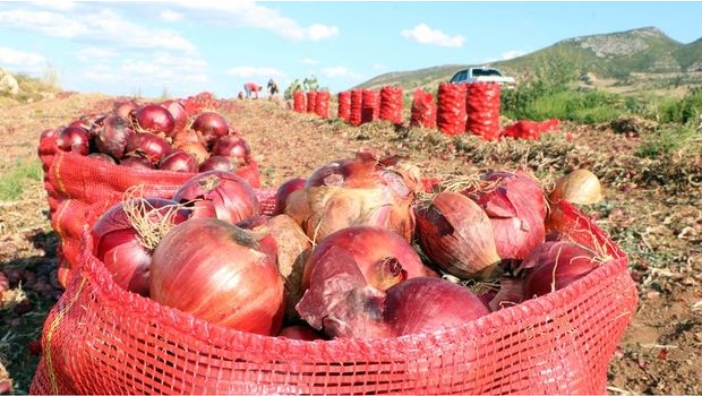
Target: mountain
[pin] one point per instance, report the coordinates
(641, 59)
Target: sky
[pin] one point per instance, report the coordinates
(181, 48)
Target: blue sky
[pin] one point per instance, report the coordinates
(185, 47)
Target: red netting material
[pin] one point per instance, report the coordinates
(311, 101)
(322, 106)
(100, 339)
(355, 118)
(483, 105)
(74, 183)
(451, 109)
(423, 110)
(391, 102)
(299, 104)
(344, 105)
(527, 129)
(370, 107)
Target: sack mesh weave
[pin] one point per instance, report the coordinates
(100, 339)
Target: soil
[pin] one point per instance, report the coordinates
(652, 209)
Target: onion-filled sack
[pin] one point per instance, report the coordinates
(344, 106)
(391, 104)
(355, 117)
(423, 110)
(101, 339)
(451, 109)
(483, 107)
(311, 101)
(322, 106)
(370, 107)
(299, 104)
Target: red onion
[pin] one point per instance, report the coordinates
(359, 191)
(284, 191)
(126, 234)
(555, 265)
(180, 116)
(147, 145)
(126, 109)
(156, 119)
(210, 126)
(178, 161)
(74, 139)
(425, 305)
(218, 163)
(219, 273)
(234, 147)
(195, 149)
(456, 235)
(300, 332)
(112, 137)
(136, 162)
(103, 157)
(516, 206)
(219, 194)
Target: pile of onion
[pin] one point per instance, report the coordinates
(220, 273)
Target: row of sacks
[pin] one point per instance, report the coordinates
(458, 108)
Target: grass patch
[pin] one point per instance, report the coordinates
(668, 140)
(12, 185)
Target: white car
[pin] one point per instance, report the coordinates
(482, 74)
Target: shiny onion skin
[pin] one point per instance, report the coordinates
(180, 116)
(156, 119)
(117, 241)
(456, 235)
(234, 147)
(74, 139)
(112, 136)
(554, 265)
(225, 196)
(149, 146)
(580, 187)
(383, 257)
(220, 273)
(284, 191)
(210, 126)
(363, 190)
(426, 304)
(178, 161)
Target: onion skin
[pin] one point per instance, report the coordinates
(103, 157)
(234, 147)
(137, 162)
(126, 110)
(425, 305)
(455, 233)
(155, 119)
(118, 244)
(210, 126)
(220, 273)
(517, 208)
(218, 163)
(74, 139)
(284, 191)
(178, 161)
(112, 137)
(195, 149)
(297, 206)
(180, 116)
(149, 146)
(555, 265)
(383, 257)
(225, 196)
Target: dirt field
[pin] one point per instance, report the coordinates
(652, 208)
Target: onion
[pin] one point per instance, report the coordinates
(185, 136)
(195, 149)
(284, 191)
(300, 332)
(149, 146)
(456, 235)
(103, 157)
(180, 116)
(155, 119)
(516, 206)
(425, 305)
(126, 234)
(219, 273)
(579, 187)
(555, 265)
(219, 194)
(359, 191)
(74, 139)
(178, 161)
(339, 302)
(136, 162)
(112, 137)
(126, 109)
(210, 126)
(510, 293)
(234, 147)
(218, 163)
(383, 257)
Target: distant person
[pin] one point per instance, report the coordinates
(251, 88)
(272, 87)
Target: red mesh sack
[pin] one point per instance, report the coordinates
(355, 118)
(344, 105)
(299, 104)
(311, 101)
(74, 183)
(101, 339)
(423, 110)
(370, 107)
(322, 106)
(451, 109)
(204, 101)
(531, 130)
(483, 104)
(391, 103)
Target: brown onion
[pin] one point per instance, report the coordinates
(219, 273)
(456, 235)
(580, 187)
(195, 149)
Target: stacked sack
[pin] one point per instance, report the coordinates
(483, 107)
(423, 110)
(391, 103)
(451, 110)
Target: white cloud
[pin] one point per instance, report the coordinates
(340, 71)
(56, 4)
(20, 61)
(105, 26)
(171, 16)
(248, 13)
(308, 61)
(92, 54)
(163, 69)
(250, 71)
(423, 34)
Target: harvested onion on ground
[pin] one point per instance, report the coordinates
(580, 187)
